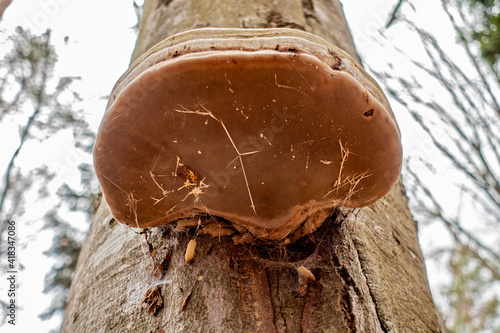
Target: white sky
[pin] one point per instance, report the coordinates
(100, 44)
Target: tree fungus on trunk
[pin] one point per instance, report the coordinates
(261, 127)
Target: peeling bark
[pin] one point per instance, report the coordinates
(369, 270)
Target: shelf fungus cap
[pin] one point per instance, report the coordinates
(261, 127)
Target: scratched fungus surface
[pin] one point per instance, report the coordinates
(264, 135)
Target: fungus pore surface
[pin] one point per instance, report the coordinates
(260, 127)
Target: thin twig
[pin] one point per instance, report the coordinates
(394, 15)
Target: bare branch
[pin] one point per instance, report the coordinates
(394, 15)
(453, 225)
(472, 58)
(23, 139)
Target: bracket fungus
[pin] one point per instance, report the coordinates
(261, 127)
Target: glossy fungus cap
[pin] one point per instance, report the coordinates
(260, 127)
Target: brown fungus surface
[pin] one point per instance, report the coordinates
(260, 127)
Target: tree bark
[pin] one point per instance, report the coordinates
(369, 273)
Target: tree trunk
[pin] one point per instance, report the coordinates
(368, 272)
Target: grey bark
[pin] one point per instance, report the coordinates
(369, 269)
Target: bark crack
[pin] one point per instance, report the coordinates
(312, 319)
(382, 326)
(281, 303)
(381, 322)
(255, 296)
(346, 303)
(346, 299)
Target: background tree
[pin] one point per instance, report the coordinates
(460, 117)
(41, 105)
(371, 271)
(485, 29)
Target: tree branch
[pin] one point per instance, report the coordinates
(394, 15)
